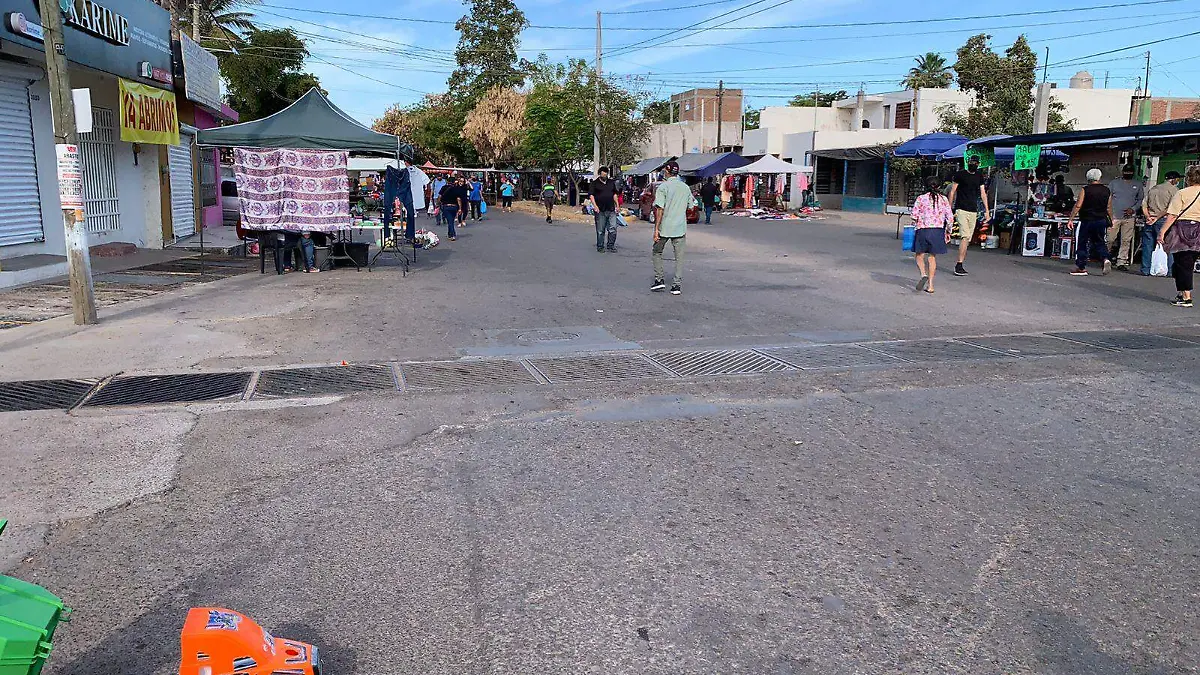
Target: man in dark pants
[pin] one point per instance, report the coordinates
(1094, 209)
(708, 195)
(604, 202)
(452, 201)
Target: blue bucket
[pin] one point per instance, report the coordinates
(910, 233)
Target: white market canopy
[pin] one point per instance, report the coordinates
(771, 164)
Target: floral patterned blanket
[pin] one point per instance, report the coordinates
(292, 190)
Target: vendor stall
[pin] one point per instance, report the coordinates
(772, 175)
(291, 172)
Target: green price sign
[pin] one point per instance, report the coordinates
(1026, 157)
(986, 156)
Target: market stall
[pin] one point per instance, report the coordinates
(763, 178)
(292, 167)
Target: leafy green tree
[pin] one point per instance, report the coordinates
(819, 99)
(660, 112)
(1003, 89)
(267, 74)
(753, 119)
(433, 127)
(221, 21)
(931, 72)
(487, 50)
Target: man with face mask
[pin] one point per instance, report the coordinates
(965, 196)
(1127, 196)
(603, 198)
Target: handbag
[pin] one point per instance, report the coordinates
(1171, 240)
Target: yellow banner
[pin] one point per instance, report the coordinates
(148, 114)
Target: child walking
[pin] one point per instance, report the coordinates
(932, 219)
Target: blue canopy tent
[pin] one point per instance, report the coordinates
(1004, 156)
(928, 145)
(706, 164)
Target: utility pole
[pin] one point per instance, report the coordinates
(720, 104)
(599, 74)
(1046, 65)
(195, 20)
(1146, 85)
(79, 263)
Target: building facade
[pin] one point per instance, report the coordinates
(108, 46)
(695, 105)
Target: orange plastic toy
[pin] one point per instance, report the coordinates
(218, 641)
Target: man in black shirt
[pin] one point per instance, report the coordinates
(967, 191)
(708, 195)
(603, 198)
(453, 199)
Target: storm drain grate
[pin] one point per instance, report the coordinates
(594, 368)
(722, 362)
(465, 374)
(1031, 345)
(289, 382)
(831, 356)
(933, 350)
(1123, 340)
(186, 388)
(43, 394)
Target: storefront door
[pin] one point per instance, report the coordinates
(20, 204)
(101, 210)
(183, 203)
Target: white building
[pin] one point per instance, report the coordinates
(122, 182)
(681, 138)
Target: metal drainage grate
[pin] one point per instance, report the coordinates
(1123, 340)
(291, 382)
(465, 374)
(593, 368)
(186, 388)
(933, 350)
(1031, 345)
(43, 394)
(723, 362)
(830, 356)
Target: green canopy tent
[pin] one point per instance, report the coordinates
(311, 123)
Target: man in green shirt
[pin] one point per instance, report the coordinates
(671, 202)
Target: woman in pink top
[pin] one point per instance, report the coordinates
(932, 218)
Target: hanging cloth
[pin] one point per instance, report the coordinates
(397, 188)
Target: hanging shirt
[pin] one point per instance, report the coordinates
(417, 180)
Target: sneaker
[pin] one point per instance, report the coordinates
(453, 238)
(959, 270)
(676, 290)
(1123, 268)
(1078, 272)
(1107, 267)
(1180, 301)
(659, 285)
(599, 249)
(612, 249)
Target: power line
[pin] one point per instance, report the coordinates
(633, 48)
(669, 9)
(854, 24)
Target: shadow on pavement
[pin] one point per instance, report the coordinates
(1065, 648)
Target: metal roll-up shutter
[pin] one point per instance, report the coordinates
(183, 206)
(20, 200)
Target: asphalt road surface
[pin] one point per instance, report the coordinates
(1033, 515)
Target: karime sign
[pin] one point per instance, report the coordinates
(148, 114)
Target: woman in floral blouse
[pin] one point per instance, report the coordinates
(932, 218)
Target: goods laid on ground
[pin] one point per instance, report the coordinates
(774, 214)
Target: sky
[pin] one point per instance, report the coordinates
(370, 55)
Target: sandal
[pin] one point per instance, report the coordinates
(929, 291)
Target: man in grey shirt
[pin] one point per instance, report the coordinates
(1127, 196)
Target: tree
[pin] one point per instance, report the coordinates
(931, 72)
(660, 112)
(496, 126)
(487, 49)
(819, 99)
(1003, 89)
(753, 119)
(266, 75)
(558, 132)
(222, 22)
(433, 127)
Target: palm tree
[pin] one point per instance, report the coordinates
(931, 72)
(222, 19)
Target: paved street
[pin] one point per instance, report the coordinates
(1032, 515)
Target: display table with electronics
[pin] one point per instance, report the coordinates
(1050, 235)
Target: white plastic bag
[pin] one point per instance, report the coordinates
(1158, 262)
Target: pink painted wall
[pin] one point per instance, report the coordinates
(211, 215)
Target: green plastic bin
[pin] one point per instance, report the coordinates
(29, 614)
